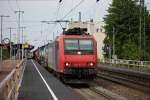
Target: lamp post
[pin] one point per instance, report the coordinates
(22, 41)
(10, 30)
(19, 14)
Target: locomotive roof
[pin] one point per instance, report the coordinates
(74, 36)
(76, 31)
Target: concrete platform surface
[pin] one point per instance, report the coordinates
(39, 84)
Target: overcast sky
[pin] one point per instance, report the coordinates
(49, 10)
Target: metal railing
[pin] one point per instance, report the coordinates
(131, 63)
(9, 86)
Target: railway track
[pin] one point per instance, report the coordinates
(89, 94)
(106, 93)
(95, 92)
(136, 80)
(117, 84)
(109, 91)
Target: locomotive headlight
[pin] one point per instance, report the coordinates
(91, 64)
(79, 53)
(67, 64)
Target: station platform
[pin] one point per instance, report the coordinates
(39, 84)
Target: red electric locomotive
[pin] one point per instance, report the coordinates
(73, 56)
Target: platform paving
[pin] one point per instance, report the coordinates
(39, 84)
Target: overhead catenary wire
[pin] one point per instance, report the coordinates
(56, 17)
(58, 8)
(58, 12)
(97, 7)
(72, 9)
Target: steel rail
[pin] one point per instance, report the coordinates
(131, 80)
(107, 94)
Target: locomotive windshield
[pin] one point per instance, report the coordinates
(85, 44)
(72, 46)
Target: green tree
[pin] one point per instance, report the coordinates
(123, 16)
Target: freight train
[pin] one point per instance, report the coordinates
(72, 56)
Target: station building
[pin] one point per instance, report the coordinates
(95, 28)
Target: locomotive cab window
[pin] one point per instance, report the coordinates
(72, 46)
(85, 44)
